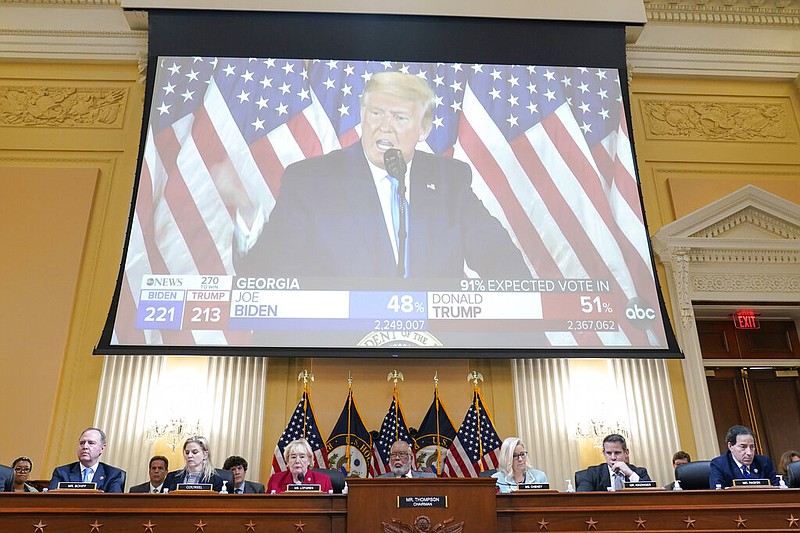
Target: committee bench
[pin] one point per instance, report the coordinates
(413, 505)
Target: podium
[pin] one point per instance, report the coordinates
(421, 504)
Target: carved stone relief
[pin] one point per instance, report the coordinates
(716, 121)
(746, 283)
(62, 107)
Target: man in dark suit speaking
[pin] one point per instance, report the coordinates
(740, 461)
(341, 214)
(614, 472)
(88, 468)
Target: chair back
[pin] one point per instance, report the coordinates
(579, 476)
(487, 473)
(337, 478)
(694, 475)
(793, 471)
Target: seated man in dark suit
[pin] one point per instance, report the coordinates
(6, 479)
(88, 468)
(400, 460)
(159, 466)
(740, 461)
(238, 465)
(615, 471)
(678, 458)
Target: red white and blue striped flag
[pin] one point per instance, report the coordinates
(548, 147)
(302, 425)
(393, 428)
(476, 445)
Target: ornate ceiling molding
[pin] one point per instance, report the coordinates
(741, 12)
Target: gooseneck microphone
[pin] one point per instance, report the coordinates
(395, 165)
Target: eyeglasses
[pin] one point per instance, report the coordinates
(522, 455)
(398, 455)
(22, 470)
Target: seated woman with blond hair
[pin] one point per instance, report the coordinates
(299, 457)
(514, 468)
(198, 468)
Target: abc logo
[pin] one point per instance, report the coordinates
(640, 313)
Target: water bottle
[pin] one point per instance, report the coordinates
(718, 487)
(570, 488)
(677, 485)
(224, 489)
(781, 482)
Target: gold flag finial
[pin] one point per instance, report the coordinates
(475, 377)
(395, 375)
(305, 376)
(436, 379)
(349, 379)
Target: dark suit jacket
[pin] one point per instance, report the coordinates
(251, 487)
(328, 222)
(724, 470)
(144, 487)
(414, 474)
(219, 475)
(108, 478)
(596, 478)
(6, 479)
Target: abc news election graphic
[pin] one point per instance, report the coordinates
(373, 317)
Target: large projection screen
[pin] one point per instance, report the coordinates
(263, 218)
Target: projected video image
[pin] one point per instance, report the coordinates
(288, 203)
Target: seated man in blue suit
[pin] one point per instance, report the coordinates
(400, 461)
(615, 471)
(335, 216)
(88, 468)
(740, 461)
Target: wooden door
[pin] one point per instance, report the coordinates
(767, 400)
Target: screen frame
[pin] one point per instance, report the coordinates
(381, 36)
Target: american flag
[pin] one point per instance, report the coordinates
(303, 424)
(475, 447)
(548, 146)
(393, 428)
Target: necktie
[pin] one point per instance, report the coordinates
(745, 472)
(400, 223)
(618, 481)
(155, 491)
(86, 474)
(238, 491)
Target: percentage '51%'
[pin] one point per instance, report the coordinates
(595, 304)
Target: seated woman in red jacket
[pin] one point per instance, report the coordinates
(298, 457)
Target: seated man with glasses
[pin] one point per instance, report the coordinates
(513, 467)
(299, 457)
(400, 460)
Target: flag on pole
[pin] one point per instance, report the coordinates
(434, 437)
(394, 428)
(476, 445)
(349, 446)
(303, 424)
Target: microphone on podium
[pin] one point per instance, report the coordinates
(395, 165)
